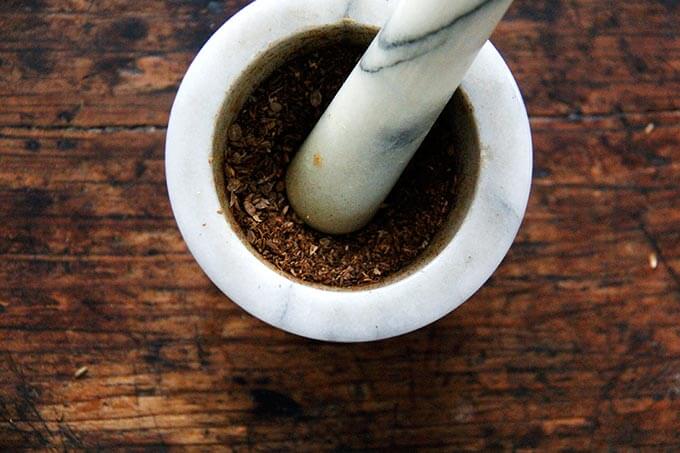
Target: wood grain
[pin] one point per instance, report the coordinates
(573, 344)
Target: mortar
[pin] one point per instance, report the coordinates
(491, 130)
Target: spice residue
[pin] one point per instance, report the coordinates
(261, 142)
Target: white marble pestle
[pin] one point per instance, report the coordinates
(362, 143)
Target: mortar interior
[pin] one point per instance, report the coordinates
(458, 114)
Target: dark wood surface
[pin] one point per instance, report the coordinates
(573, 344)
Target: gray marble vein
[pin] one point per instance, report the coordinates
(407, 48)
(350, 7)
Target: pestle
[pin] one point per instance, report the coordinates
(356, 152)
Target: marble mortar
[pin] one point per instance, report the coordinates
(472, 244)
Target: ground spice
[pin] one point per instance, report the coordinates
(270, 128)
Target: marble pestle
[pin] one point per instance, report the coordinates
(364, 140)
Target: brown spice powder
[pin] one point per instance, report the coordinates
(271, 127)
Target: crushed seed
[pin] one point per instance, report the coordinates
(235, 132)
(250, 209)
(263, 140)
(316, 98)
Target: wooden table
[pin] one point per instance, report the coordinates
(574, 343)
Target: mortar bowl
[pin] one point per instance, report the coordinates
(492, 129)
